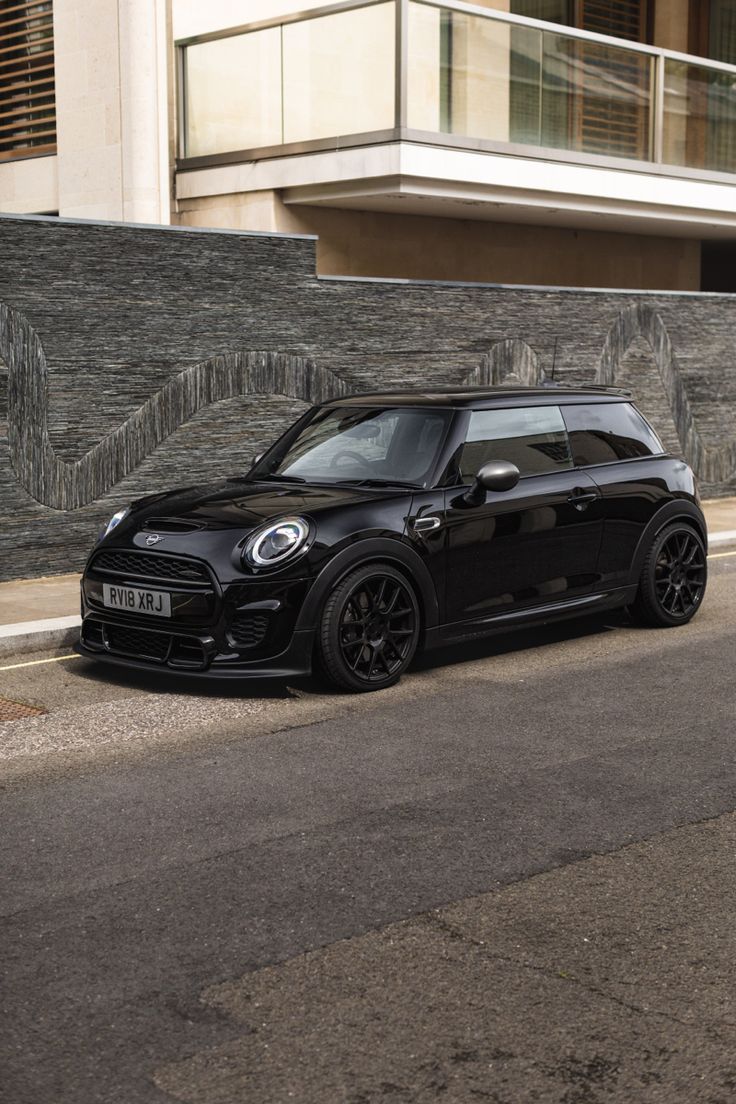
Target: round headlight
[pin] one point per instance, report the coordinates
(114, 522)
(277, 542)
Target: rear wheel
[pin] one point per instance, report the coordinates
(673, 578)
(369, 629)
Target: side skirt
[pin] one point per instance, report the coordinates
(536, 615)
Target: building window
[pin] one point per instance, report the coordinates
(552, 11)
(27, 101)
(624, 19)
(609, 112)
(721, 31)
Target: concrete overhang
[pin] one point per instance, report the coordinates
(417, 178)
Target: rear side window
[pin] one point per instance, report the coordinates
(605, 432)
(533, 438)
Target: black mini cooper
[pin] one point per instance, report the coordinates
(382, 523)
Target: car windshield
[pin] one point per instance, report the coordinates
(368, 445)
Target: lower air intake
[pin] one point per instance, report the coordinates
(137, 642)
(248, 629)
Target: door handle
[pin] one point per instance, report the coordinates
(581, 499)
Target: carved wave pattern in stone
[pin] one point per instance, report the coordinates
(711, 464)
(68, 486)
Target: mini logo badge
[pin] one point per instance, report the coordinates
(153, 539)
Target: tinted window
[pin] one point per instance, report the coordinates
(533, 438)
(357, 443)
(604, 432)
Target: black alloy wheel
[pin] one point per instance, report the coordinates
(673, 578)
(370, 629)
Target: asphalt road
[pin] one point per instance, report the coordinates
(511, 879)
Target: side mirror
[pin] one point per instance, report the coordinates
(496, 475)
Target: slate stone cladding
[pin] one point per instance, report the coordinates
(136, 359)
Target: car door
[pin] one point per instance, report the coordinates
(533, 545)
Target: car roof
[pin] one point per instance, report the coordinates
(481, 397)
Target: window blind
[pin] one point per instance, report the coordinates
(27, 100)
(613, 116)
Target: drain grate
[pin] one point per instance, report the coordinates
(16, 711)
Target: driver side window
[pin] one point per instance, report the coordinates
(533, 438)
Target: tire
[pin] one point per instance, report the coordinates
(673, 578)
(369, 629)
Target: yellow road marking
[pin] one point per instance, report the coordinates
(720, 555)
(38, 662)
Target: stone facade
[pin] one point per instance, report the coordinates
(135, 359)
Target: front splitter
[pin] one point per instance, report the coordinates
(295, 662)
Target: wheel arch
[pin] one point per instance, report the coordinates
(678, 510)
(363, 553)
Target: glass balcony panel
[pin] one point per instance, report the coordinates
(699, 117)
(470, 75)
(525, 122)
(482, 78)
(427, 70)
(595, 98)
(233, 93)
(339, 74)
(461, 75)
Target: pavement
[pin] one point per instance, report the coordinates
(39, 613)
(540, 991)
(36, 614)
(509, 879)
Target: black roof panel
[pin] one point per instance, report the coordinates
(479, 397)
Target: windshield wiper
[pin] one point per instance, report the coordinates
(279, 478)
(380, 483)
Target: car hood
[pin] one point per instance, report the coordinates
(238, 504)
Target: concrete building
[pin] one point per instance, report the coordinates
(560, 142)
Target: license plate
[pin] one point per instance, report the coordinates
(135, 600)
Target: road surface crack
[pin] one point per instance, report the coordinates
(434, 920)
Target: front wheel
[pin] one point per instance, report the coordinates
(673, 578)
(369, 629)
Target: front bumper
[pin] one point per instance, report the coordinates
(242, 629)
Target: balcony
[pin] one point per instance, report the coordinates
(371, 102)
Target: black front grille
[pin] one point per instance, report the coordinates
(248, 629)
(137, 642)
(114, 561)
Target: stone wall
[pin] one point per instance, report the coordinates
(133, 359)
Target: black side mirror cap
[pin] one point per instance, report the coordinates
(496, 475)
